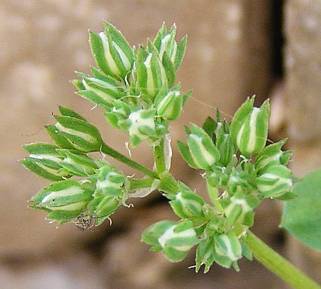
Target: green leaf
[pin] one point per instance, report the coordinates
(302, 215)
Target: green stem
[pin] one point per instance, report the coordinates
(159, 157)
(279, 265)
(135, 184)
(120, 157)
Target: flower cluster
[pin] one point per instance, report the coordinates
(136, 89)
(84, 188)
(240, 171)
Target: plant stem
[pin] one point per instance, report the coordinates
(279, 265)
(120, 157)
(159, 157)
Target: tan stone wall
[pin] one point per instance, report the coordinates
(303, 96)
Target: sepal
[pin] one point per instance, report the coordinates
(81, 135)
(44, 161)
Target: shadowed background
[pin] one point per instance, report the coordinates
(235, 49)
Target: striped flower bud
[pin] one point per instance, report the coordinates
(174, 239)
(238, 181)
(170, 106)
(205, 254)
(77, 164)
(102, 207)
(141, 125)
(111, 51)
(165, 43)
(151, 75)
(110, 182)
(273, 155)
(240, 209)
(80, 134)
(249, 127)
(101, 89)
(63, 200)
(201, 153)
(187, 204)
(44, 161)
(274, 181)
(228, 246)
(118, 113)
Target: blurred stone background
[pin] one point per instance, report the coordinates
(237, 48)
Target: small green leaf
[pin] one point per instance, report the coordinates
(302, 215)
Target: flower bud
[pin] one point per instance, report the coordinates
(187, 204)
(63, 200)
(110, 182)
(77, 164)
(141, 125)
(165, 43)
(101, 90)
(202, 150)
(173, 239)
(205, 254)
(81, 135)
(229, 246)
(240, 209)
(118, 113)
(274, 181)
(170, 106)
(112, 52)
(44, 161)
(151, 75)
(102, 207)
(249, 127)
(273, 155)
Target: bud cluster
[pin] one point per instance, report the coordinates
(135, 87)
(84, 187)
(240, 171)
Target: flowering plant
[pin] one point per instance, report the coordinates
(137, 91)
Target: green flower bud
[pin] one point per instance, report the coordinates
(240, 209)
(274, 181)
(151, 75)
(102, 207)
(77, 164)
(273, 155)
(44, 161)
(118, 113)
(165, 43)
(170, 106)
(110, 182)
(239, 182)
(205, 254)
(187, 204)
(202, 150)
(63, 200)
(111, 51)
(173, 239)
(249, 127)
(141, 125)
(101, 90)
(229, 246)
(81, 135)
